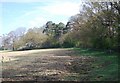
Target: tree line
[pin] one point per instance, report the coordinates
(96, 26)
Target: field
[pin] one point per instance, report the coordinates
(73, 64)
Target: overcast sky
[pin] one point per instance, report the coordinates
(35, 13)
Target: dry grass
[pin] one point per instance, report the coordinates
(45, 64)
(58, 64)
(6, 56)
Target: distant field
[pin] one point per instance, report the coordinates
(59, 64)
(9, 55)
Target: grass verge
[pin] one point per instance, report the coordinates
(104, 68)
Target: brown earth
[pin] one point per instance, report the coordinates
(42, 65)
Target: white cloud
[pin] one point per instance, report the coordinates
(22, 0)
(54, 10)
(51, 11)
(39, 0)
(37, 22)
(38, 16)
(63, 8)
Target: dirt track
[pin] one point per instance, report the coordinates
(39, 65)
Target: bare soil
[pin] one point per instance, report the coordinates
(42, 65)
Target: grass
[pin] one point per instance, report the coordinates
(1, 51)
(104, 68)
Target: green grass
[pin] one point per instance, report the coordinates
(104, 68)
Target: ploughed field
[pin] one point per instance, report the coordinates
(58, 65)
